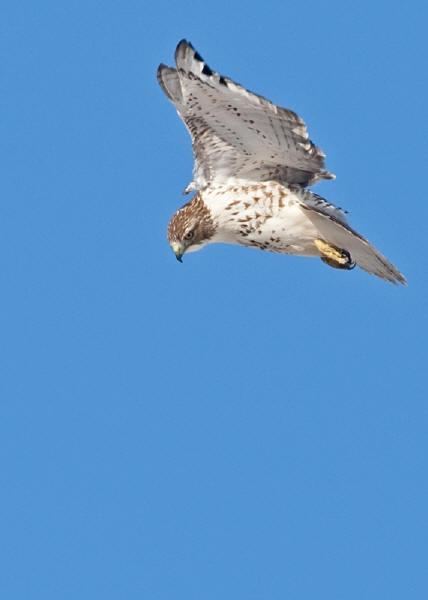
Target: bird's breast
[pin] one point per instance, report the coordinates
(262, 215)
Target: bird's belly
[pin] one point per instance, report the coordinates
(288, 232)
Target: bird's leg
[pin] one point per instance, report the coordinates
(333, 256)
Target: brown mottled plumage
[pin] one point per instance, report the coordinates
(253, 160)
(192, 216)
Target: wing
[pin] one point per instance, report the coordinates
(332, 226)
(235, 133)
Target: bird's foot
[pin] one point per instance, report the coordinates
(333, 256)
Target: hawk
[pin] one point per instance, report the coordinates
(253, 163)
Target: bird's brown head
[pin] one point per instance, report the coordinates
(191, 227)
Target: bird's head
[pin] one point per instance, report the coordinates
(191, 228)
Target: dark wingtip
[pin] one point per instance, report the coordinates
(206, 70)
(182, 47)
(161, 67)
(184, 41)
(180, 52)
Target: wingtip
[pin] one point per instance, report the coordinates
(389, 273)
(184, 42)
(401, 279)
(392, 274)
(159, 75)
(160, 68)
(182, 47)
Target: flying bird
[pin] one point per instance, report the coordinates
(253, 163)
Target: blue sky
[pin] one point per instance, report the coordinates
(243, 425)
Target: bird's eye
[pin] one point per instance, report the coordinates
(189, 235)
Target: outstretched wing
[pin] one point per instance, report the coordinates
(237, 134)
(331, 224)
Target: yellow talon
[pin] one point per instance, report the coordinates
(331, 252)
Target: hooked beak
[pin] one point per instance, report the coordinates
(178, 251)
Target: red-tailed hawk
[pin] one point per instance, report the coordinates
(253, 161)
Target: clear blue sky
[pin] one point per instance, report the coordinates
(244, 425)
